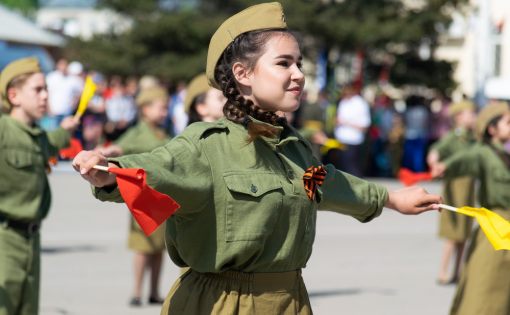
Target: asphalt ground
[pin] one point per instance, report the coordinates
(387, 266)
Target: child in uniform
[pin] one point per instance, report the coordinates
(25, 195)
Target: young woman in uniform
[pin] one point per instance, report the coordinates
(248, 185)
(484, 286)
(145, 136)
(25, 194)
(202, 102)
(453, 227)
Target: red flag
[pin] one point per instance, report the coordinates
(70, 152)
(149, 207)
(409, 178)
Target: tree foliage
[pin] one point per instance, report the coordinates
(173, 43)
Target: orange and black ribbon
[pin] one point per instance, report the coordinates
(314, 176)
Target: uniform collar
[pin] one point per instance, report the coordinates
(33, 130)
(284, 133)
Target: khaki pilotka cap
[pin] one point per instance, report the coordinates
(150, 95)
(257, 17)
(458, 107)
(196, 87)
(13, 70)
(487, 114)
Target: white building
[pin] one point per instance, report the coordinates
(478, 42)
(80, 18)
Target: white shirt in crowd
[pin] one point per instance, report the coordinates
(356, 111)
(63, 93)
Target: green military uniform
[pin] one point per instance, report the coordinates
(313, 121)
(484, 287)
(24, 203)
(458, 191)
(143, 138)
(243, 205)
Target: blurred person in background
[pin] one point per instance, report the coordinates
(313, 119)
(484, 286)
(417, 126)
(353, 120)
(383, 115)
(458, 192)
(178, 119)
(202, 102)
(120, 109)
(146, 135)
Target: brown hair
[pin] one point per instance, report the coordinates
(487, 139)
(246, 48)
(16, 83)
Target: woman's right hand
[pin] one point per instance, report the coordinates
(83, 163)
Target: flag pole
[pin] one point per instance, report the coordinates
(447, 207)
(101, 168)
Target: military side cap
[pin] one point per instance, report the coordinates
(13, 70)
(257, 17)
(487, 114)
(458, 107)
(150, 95)
(196, 87)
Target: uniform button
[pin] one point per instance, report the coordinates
(254, 188)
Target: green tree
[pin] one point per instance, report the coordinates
(173, 43)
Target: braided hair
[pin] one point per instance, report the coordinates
(246, 48)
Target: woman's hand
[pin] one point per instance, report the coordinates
(412, 200)
(84, 162)
(110, 151)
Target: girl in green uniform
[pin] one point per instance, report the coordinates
(484, 287)
(453, 227)
(145, 136)
(248, 185)
(202, 102)
(25, 194)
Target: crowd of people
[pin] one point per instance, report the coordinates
(250, 159)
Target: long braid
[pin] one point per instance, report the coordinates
(246, 47)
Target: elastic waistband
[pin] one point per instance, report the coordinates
(259, 281)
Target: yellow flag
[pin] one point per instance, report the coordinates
(496, 228)
(88, 92)
(331, 144)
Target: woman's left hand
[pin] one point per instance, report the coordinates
(413, 200)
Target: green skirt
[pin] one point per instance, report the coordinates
(141, 243)
(484, 287)
(233, 293)
(453, 226)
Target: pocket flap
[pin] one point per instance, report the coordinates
(253, 184)
(19, 159)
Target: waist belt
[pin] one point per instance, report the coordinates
(25, 228)
(257, 281)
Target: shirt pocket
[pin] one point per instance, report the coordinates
(24, 168)
(253, 204)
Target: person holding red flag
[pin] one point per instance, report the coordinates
(453, 227)
(248, 185)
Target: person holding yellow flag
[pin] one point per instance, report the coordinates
(484, 287)
(25, 193)
(453, 227)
